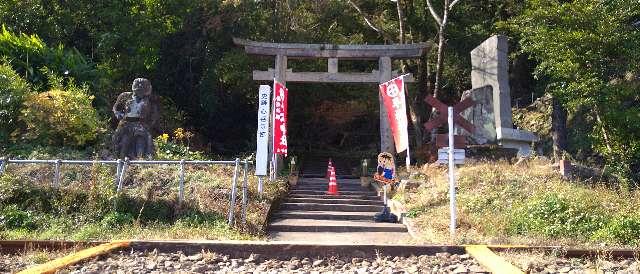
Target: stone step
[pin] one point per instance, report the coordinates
(330, 200)
(325, 187)
(343, 237)
(323, 192)
(341, 196)
(330, 207)
(311, 225)
(326, 182)
(324, 215)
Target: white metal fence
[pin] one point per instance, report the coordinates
(122, 165)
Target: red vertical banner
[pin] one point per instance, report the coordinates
(280, 118)
(392, 93)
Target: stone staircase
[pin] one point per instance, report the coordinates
(309, 215)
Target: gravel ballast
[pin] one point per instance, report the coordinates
(548, 263)
(10, 263)
(129, 261)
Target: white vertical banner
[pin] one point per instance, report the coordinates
(262, 136)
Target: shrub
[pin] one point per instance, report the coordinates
(175, 149)
(116, 219)
(13, 90)
(555, 216)
(61, 117)
(12, 217)
(621, 230)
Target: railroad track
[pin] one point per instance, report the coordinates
(279, 257)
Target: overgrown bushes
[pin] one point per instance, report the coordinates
(13, 90)
(61, 117)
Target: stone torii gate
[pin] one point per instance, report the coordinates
(333, 53)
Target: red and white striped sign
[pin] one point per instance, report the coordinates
(392, 93)
(280, 118)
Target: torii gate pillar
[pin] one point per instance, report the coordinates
(386, 136)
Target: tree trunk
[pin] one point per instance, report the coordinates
(559, 128)
(436, 86)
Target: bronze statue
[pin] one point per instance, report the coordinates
(138, 114)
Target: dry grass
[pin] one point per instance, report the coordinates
(489, 194)
(152, 194)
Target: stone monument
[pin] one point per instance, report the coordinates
(138, 112)
(492, 115)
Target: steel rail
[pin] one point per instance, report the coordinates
(277, 249)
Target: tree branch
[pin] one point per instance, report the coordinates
(364, 17)
(453, 4)
(433, 13)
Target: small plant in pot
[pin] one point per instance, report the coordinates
(293, 172)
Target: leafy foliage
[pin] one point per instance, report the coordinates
(61, 116)
(13, 90)
(587, 51)
(28, 54)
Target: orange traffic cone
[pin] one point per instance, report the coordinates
(329, 166)
(333, 184)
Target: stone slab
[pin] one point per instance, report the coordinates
(331, 207)
(325, 215)
(313, 225)
(329, 200)
(490, 66)
(359, 238)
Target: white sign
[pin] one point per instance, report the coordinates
(262, 136)
(458, 156)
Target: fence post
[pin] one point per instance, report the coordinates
(181, 189)
(260, 187)
(245, 197)
(3, 163)
(122, 172)
(56, 174)
(232, 202)
(118, 170)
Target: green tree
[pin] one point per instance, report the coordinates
(587, 53)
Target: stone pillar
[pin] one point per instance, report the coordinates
(490, 66)
(386, 137)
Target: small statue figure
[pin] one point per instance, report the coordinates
(138, 114)
(387, 176)
(386, 169)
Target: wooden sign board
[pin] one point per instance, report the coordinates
(459, 141)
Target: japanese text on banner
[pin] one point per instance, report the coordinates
(262, 135)
(393, 96)
(280, 119)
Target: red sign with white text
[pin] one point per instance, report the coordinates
(280, 118)
(392, 93)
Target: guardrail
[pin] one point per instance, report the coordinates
(121, 168)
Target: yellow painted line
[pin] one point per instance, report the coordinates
(490, 260)
(52, 266)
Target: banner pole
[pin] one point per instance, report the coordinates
(274, 161)
(404, 89)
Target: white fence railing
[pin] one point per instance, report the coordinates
(122, 165)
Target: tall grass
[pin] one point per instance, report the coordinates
(524, 204)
